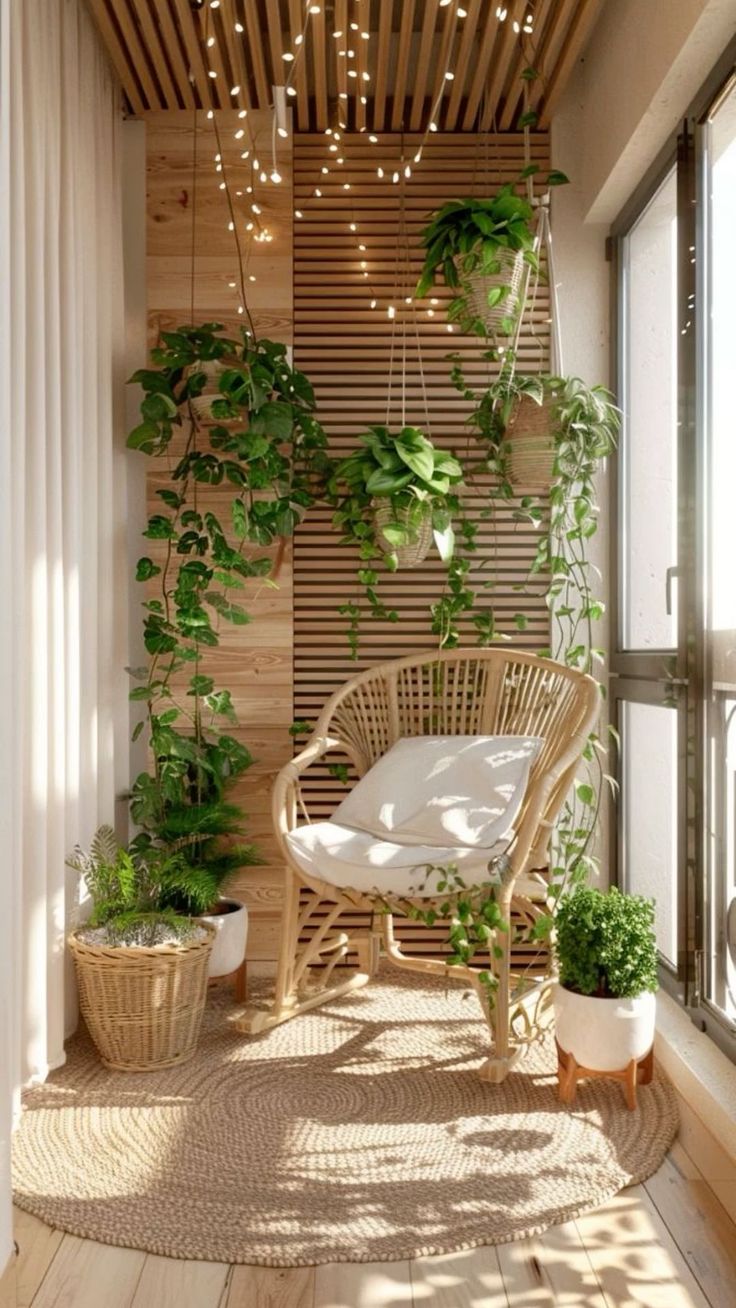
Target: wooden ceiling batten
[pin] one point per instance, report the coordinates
(362, 13)
(583, 20)
(526, 58)
(507, 41)
(299, 80)
(383, 54)
(197, 70)
(402, 64)
(207, 30)
(467, 41)
(421, 68)
(319, 62)
(236, 58)
(255, 47)
(164, 49)
(120, 56)
(444, 63)
(340, 50)
(160, 51)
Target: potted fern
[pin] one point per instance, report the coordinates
(141, 966)
(607, 958)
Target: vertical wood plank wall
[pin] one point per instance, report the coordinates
(309, 288)
(255, 661)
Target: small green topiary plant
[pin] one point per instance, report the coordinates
(605, 943)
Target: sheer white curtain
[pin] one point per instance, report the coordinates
(61, 496)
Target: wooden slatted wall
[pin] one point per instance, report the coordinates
(345, 347)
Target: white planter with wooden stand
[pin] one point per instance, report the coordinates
(228, 951)
(604, 1037)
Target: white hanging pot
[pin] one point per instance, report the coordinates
(230, 921)
(419, 524)
(478, 285)
(604, 1035)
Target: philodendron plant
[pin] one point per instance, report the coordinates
(262, 445)
(478, 236)
(397, 488)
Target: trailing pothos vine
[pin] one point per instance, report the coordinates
(223, 412)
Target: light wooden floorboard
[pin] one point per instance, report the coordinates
(471, 1278)
(550, 1269)
(37, 1245)
(85, 1274)
(363, 1285)
(701, 1227)
(270, 1287)
(636, 1261)
(669, 1243)
(179, 1283)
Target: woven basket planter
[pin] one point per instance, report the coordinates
(510, 275)
(143, 1007)
(416, 551)
(530, 438)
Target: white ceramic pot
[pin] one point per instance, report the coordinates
(604, 1034)
(231, 926)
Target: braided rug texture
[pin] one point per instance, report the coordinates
(353, 1133)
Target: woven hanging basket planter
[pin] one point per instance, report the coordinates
(415, 551)
(143, 1007)
(530, 438)
(479, 284)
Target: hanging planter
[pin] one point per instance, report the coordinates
(481, 248)
(414, 520)
(530, 438)
(493, 298)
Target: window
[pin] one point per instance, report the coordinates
(674, 662)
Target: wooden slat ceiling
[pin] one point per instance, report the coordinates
(372, 65)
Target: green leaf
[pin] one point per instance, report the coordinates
(146, 568)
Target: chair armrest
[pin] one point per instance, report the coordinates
(284, 800)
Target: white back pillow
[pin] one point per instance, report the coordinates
(443, 790)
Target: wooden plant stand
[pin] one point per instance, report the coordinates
(635, 1073)
(238, 979)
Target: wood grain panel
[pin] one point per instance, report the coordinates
(255, 661)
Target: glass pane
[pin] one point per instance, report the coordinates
(649, 813)
(649, 437)
(721, 596)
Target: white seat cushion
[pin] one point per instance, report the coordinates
(443, 790)
(358, 860)
(431, 801)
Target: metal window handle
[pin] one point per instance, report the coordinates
(669, 574)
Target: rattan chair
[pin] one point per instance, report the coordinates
(459, 692)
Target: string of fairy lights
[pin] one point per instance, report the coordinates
(352, 46)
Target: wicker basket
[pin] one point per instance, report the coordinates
(479, 284)
(416, 551)
(530, 437)
(143, 1007)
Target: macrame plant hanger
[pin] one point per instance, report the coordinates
(416, 550)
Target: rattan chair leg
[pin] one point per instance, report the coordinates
(316, 959)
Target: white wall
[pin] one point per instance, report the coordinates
(644, 64)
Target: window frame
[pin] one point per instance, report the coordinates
(635, 675)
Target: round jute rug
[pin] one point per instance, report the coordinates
(356, 1132)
